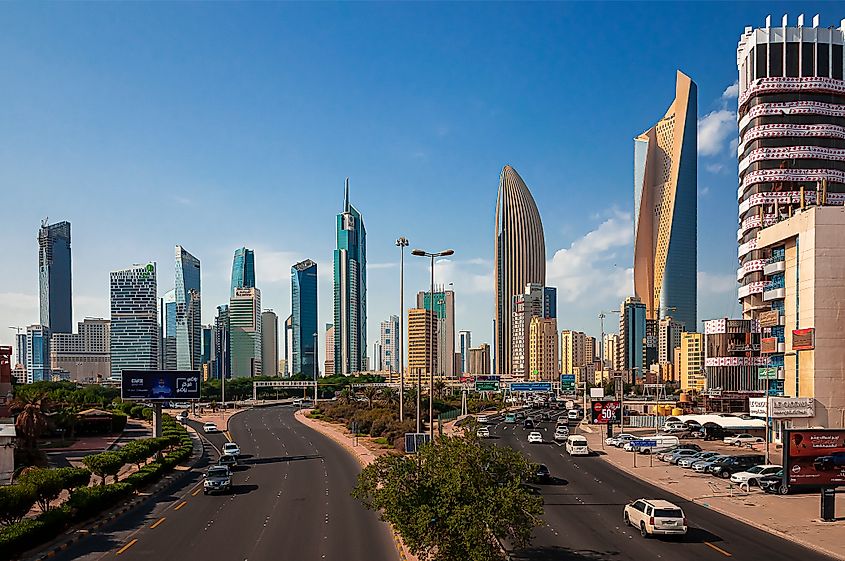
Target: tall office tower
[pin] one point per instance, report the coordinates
(665, 208)
(632, 335)
(243, 269)
(38, 354)
(549, 302)
(691, 362)
(188, 311)
(479, 360)
(611, 341)
(668, 339)
(54, 277)
(464, 344)
(444, 306)
(20, 349)
(270, 343)
(84, 355)
(389, 342)
(168, 339)
(543, 352)
(650, 353)
(289, 346)
(378, 364)
(134, 334)
(572, 351)
(303, 291)
(589, 349)
(790, 109)
(350, 291)
(524, 306)
(520, 257)
(245, 332)
(207, 344)
(422, 347)
(222, 344)
(328, 369)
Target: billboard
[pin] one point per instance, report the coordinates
(803, 339)
(604, 412)
(769, 345)
(769, 318)
(757, 407)
(814, 457)
(160, 385)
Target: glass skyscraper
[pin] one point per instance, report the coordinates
(54, 282)
(188, 314)
(222, 347)
(304, 316)
(168, 311)
(245, 332)
(38, 353)
(134, 335)
(350, 291)
(243, 269)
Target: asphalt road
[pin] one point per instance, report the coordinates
(583, 514)
(290, 499)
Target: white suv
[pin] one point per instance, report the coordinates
(655, 517)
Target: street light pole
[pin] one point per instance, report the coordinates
(402, 243)
(315, 369)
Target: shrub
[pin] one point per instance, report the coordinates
(135, 411)
(18, 537)
(47, 483)
(15, 502)
(118, 421)
(104, 464)
(147, 414)
(74, 477)
(88, 501)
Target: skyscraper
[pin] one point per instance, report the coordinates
(543, 353)
(421, 346)
(520, 257)
(303, 290)
(389, 341)
(168, 330)
(54, 277)
(222, 344)
(549, 302)
(269, 343)
(328, 369)
(479, 360)
(572, 351)
(350, 291)
(444, 306)
(245, 332)
(632, 338)
(377, 356)
(134, 332)
(38, 353)
(188, 311)
(464, 345)
(21, 345)
(665, 209)
(243, 269)
(691, 362)
(525, 306)
(289, 346)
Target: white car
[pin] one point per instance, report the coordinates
(210, 427)
(482, 432)
(742, 439)
(752, 475)
(535, 438)
(232, 449)
(655, 517)
(614, 440)
(483, 419)
(561, 434)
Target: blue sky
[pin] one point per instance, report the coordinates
(221, 125)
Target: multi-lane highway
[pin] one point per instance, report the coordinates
(290, 499)
(583, 514)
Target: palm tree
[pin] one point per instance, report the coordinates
(390, 396)
(370, 393)
(346, 395)
(439, 388)
(31, 420)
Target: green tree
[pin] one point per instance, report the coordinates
(137, 451)
(31, 420)
(389, 396)
(15, 502)
(74, 477)
(454, 500)
(104, 464)
(47, 484)
(371, 393)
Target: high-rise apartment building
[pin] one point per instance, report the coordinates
(54, 277)
(668, 339)
(691, 362)
(666, 209)
(168, 331)
(243, 269)
(20, 349)
(84, 355)
(631, 352)
(38, 354)
(422, 347)
(543, 350)
(328, 369)
(444, 306)
(589, 350)
(524, 307)
(378, 364)
(222, 369)
(732, 349)
(207, 351)
(464, 344)
(245, 332)
(289, 346)
(269, 343)
(350, 291)
(188, 311)
(479, 360)
(520, 258)
(611, 343)
(572, 351)
(134, 331)
(303, 291)
(389, 345)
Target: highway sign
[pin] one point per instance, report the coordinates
(283, 384)
(567, 382)
(530, 386)
(413, 440)
(486, 386)
(644, 443)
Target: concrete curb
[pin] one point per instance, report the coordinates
(301, 417)
(81, 531)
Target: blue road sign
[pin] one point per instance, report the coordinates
(643, 443)
(531, 386)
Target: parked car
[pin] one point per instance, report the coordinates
(576, 445)
(774, 483)
(703, 466)
(752, 475)
(210, 427)
(675, 427)
(680, 453)
(535, 438)
(655, 517)
(725, 467)
(689, 460)
(561, 433)
(217, 479)
(613, 440)
(482, 432)
(661, 441)
(742, 439)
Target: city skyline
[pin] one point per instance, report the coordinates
(604, 227)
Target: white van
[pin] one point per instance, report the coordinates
(577, 446)
(661, 443)
(573, 414)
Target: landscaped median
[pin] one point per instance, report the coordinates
(84, 499)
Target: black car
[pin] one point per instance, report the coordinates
(228, 460)
(542, 474)
(733, 464)
(528, 424)
(774, 484)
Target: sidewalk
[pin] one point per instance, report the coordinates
(794, 517)
(365, 452)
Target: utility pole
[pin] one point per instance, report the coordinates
(402, 243)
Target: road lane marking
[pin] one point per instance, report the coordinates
(158, 522)
(183, 503)
(719, 549)
(194, 494)
(127, 546)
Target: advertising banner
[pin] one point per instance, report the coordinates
(814, 457)
(769, 345)
(597, 393)
(769, 318)
(803, 339)
(791, 407)
(160, 385)
(757, 407)
(531, 386)
(604, 412)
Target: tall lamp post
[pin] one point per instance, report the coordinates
(432, 256)
(401, 243)
(315, 369)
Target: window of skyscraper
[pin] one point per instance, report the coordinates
(837, 62)
(823, 60)
(776, 60)
(792, 59)
(808, 59)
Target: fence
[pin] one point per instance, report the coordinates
(448, 415)
(645, 421)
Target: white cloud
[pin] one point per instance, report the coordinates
(704, 191)
(731, 92)
(716, 283)
(382, 266)
(713, 130)
(17, 309)
(714, 168)
(472, 276)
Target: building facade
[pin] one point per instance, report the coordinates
(168, 330)
(479, 360)
(54, 277)
(84, 355)
(245, 332)
(464, 345)
(422, 345)
(519, 257)
(572, 352)
(350, 291)
(732, 356)
(188, 311)
(304, 317)
(20, 349)
(524, 307)
(389, 343)
(668, 339)
(444, 306)
(691, 362)
(543, 352)
(133, 330)
(328, 369)
(269, 343)
(38, 354)
(631, 352)
(243, 270)
(222, 360)
(665, 208)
